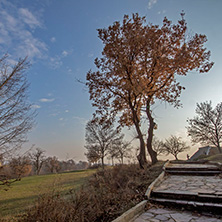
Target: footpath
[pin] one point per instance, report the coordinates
(186, 192)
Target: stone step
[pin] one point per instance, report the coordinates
(189, 162)
(208, 197)
(194, 172)
(215, 208)
(194, 169)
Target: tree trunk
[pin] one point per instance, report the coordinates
(218, 146)
(218, 140)
(102, 159)
(112, 161)
(150, 150)
(142, 154)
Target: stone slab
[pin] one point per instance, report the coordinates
(190, 184)
(166, 214)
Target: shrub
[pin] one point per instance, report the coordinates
(107, 194)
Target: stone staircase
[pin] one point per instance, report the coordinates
(190, 185)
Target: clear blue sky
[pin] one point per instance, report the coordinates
(61, 41)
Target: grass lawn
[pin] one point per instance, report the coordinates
(22, 194)
(216, 158)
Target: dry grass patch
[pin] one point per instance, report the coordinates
(107, 195)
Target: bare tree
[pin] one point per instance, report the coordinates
(100, 135)
(82, 165)
(16, 117)
(68, 165)
(121, 149)
(124, 150)
(206, 127)
(174, 145)
(157, 146)
(53, 164)
(93, 155)
(38, 158)
(113, 153)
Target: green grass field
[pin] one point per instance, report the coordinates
(216, 158)
(22, 194)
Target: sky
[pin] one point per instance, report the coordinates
(61, 41)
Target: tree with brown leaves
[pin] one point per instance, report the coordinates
(139, 65)
(13, 170)
(20, 166)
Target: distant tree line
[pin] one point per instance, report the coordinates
(34, 163)
(51, 164)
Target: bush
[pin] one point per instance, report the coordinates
(107, 195)
(95, 166)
